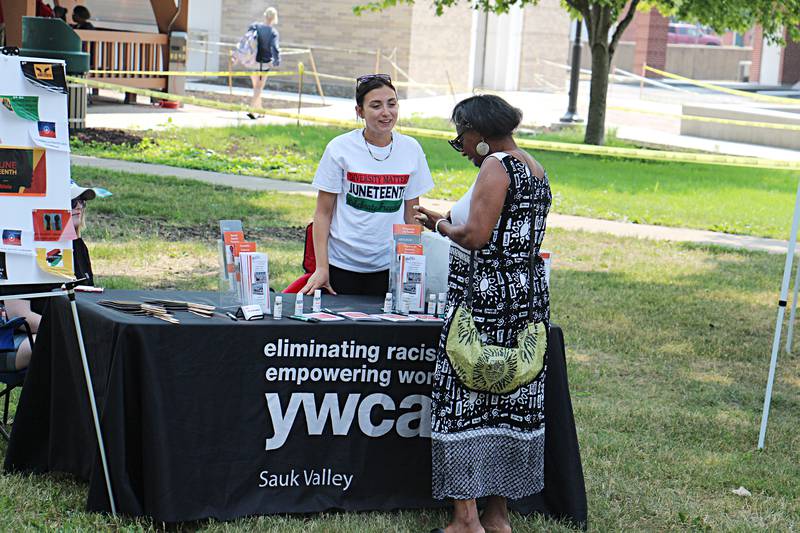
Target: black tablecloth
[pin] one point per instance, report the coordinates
(213, 418)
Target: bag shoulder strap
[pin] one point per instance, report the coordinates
(531, 265)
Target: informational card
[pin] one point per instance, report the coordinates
(411, 277)
(53, 225)
(254, 282)
(48, 76)
(48, 134)
(56, 261)
(358, 316)
(428, 318)
(16, 241)
(391, 317)
(25, 107)
(324, 317)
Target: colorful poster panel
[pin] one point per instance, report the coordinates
(56, 261)
(49, 76)
(25, 107)
(23, 171)
(53, 225)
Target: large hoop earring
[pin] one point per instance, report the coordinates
(482, 148)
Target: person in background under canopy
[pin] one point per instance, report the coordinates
(368, 180)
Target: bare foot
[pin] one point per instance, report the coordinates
(495, 525)
(464, 527)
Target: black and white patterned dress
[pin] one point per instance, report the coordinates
(487, 444)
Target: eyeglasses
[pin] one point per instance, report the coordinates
(78, 202)
(369, 77)
(457, 143)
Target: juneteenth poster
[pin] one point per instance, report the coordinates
(23, 172)
(25, 107)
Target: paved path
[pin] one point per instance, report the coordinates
(623, 229)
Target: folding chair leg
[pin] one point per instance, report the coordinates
(4, 426)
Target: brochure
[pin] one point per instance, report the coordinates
(391, 317)
(359, 317)
(254, 279)
(324, 317)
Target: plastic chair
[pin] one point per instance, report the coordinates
(309, 263)
(14, 378)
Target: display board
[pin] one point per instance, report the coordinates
(36, 230)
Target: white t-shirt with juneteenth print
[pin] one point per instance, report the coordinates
(370, 196)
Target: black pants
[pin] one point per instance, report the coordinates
(361, 283)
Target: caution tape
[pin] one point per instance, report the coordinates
(193, 74)
(550, 146)
(735, 92)
(226, 74)
(732, 122)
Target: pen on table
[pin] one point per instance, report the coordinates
(231, 316)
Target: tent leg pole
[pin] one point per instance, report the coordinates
(92, 403)
(793, 312)
(773, 363)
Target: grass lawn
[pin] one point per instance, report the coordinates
(734, 200)
(667, 350)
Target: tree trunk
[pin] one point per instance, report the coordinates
(596, 122)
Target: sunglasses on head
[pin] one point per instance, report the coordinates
(78, 202)
(369, 77)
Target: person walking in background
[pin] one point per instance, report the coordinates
(268, 54)
(487, 444)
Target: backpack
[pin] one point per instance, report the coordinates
(245, 52)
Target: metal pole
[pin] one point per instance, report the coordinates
(776, 341)
(90, 391)
(575, 76)
(792, 313)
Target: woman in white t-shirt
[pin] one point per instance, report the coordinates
(368, 180)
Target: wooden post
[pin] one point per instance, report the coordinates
(316, 75)
(300, 70)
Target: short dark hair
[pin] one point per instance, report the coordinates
(82, 12)
(373, 83)
(489, 115)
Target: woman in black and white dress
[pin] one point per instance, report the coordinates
(491, 445)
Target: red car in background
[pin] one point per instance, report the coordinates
(681, 33)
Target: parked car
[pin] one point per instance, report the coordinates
(681, 33)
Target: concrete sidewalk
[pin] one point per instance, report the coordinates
(622, 229)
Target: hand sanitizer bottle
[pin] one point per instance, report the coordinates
(277, 311)
(442, 303)
(387, 303)
(317, 304)
(298, 304)
(432, 304)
